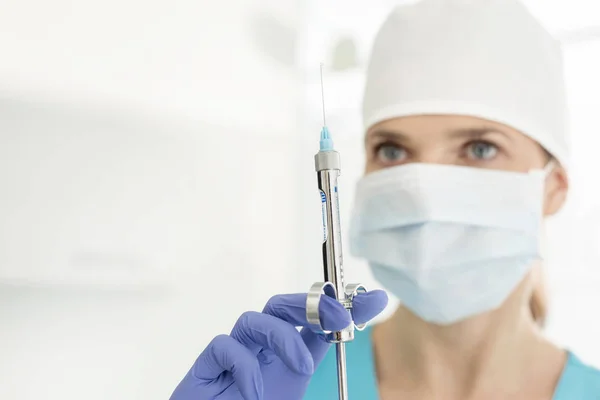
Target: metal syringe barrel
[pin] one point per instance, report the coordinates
(327, 165)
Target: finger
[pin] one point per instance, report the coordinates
(292, 309)
(367, 306)
(222, 354)
(316, 344)
(281, 337)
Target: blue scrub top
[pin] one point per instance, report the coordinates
(578, 381)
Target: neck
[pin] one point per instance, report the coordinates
(484, 354)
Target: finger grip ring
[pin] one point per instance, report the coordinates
(312, 304)
(353, 290)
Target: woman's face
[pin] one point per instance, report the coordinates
(461, 140)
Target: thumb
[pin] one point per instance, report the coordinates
(333, 317)
(367, 306)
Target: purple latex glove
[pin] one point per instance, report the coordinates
(265, 357)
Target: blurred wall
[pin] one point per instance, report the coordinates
(147, 169)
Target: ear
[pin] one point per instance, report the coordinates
(557, 186)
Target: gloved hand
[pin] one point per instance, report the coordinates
(265, 357)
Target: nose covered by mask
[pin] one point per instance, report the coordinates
(450, 242)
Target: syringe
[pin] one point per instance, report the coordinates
(327, 165)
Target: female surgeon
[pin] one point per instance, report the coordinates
(466, 154)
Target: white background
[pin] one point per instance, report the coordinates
(156, 179)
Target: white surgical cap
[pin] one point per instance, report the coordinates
(484, 58)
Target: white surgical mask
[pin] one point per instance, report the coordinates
(449, 241)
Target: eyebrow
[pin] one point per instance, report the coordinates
(388, 134)
(477, 133)
(471, 133)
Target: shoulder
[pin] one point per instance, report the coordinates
(579, 380)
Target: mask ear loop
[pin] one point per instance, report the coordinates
(542, 234)
(543, 239)
(549, 167)
(546, 170)
(542, 229)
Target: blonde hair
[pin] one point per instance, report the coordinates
(538, 305)
(538, 301)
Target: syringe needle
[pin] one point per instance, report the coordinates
(323, 96)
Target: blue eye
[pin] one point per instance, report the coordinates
(481, 151)
(389, 153)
